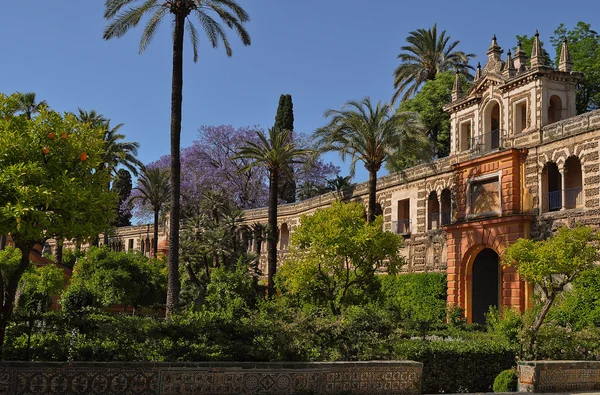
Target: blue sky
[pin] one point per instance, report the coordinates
(322, 52)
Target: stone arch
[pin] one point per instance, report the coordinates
(284, 236)
(554, 109)
(445, 206)
(573, 183)
(433, 211)
(470, 262)
(551, 187)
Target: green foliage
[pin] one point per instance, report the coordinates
(557, 261)
(527, 46)
(418, 300)
(37, 287)
(122, 185)
(506, 381)
(426, 55)
(455, 365)
(584, 45)
(580, 306)
(507, 325)
(10, 257)
(120, 278)
(429, 103)
(70, 256)
(335, 254)
(50, 181)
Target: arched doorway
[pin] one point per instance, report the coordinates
(485, 284)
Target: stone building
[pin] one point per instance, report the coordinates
(521, 164)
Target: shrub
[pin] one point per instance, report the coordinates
(580, 306)
(455, 365)
(506, 381)
(418, 300)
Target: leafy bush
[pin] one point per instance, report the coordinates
(417, 300)
(580, 307)
(506, 381)
(452, 366)
(508, 325)
(120, 278)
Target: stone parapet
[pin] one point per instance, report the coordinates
(559, 376)
(571, 126)
(376, 377)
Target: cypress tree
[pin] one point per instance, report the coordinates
(285, 120)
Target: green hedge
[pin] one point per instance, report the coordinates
(457, 366)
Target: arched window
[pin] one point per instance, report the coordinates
(551, 188)
(433, 211)
(490, 139)
(284, 237)
(554, 109)
(446, 207)
(573, 183)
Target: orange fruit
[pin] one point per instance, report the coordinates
(63, 136)
(51, 135)
(46, 150)
(83, 156)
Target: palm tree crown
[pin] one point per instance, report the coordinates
(154, 189)
(370, 135)
(228, 10)
(27, 104)
(276, 152)
(427, 55)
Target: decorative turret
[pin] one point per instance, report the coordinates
(494, 63)
(520, 61)
(509, 69)
(566, 63)
(537, 54)
(457, 88)
(478, 71)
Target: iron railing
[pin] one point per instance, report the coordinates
(401, 226)
(486, 142)
(446, 217)
(434, 221)
(573, 199)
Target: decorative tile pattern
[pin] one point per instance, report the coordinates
(387, 377)
(559, 376)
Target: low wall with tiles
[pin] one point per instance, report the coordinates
(559, 376)
(377, 377)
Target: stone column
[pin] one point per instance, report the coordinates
(563, 197)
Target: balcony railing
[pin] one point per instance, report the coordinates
(573, 199)
(434, 221)
(446, 217)
(401, 227)
(486, 142)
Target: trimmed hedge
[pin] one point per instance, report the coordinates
(506, 381)
(457, 366)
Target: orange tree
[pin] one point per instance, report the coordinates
(51, 183)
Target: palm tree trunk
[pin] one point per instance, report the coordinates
(155, 241)
(272, 234)
(176, 99)
(372, 195)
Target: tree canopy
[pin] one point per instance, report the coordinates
(335, 254)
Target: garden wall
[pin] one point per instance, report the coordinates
(389, 377)
(559, 376)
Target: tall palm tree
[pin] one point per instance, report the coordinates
(370, 135)
(27, 104)
(181, 12)
(276, 152)
(154, 189)
(427, 55)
